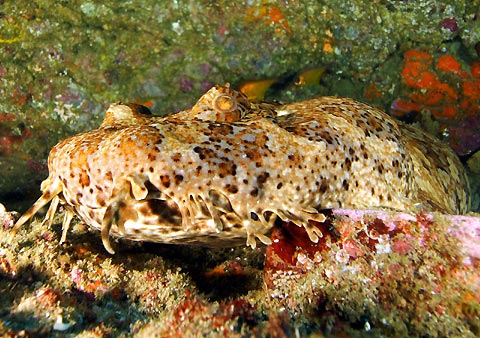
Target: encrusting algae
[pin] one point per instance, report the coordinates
(227, 169)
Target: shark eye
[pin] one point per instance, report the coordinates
(224, 103)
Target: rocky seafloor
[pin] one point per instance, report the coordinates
(372, 274)
(64, 63)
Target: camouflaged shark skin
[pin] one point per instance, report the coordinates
(224, 171)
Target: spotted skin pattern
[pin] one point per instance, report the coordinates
(227, 169)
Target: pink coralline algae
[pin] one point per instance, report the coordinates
(393, 261)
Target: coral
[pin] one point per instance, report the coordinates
(449, 90)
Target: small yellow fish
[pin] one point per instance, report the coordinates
(256, 89)
(310, 77)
